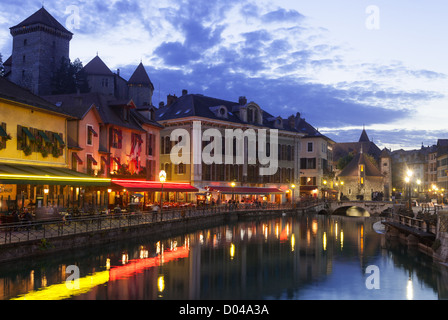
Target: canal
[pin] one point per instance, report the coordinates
(284, 258)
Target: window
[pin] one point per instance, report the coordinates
(309, 147)
(180, 168)
(25, 42)
(115, 138)
(105, 82)
(90, 134)
(361, 168)
(250, 115)
(307, 163)
(149, 144)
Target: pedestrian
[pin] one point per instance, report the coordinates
(155, 211)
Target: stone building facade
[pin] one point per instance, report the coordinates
(39, 44)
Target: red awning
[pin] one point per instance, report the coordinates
(144, 185)
(89, 156)
(93, 131)
(77, 157)
(244, 190)
(308, 188)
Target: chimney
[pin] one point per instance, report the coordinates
(118, 72)
(292, 122)
(242, 100)
(170, 99)
(184, 92)
(161, 104)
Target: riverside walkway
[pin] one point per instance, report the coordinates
(25, 231)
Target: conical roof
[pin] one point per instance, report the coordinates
(43, 17)
(351, 169)
(96, 66)
(364, 137)
(140, 77)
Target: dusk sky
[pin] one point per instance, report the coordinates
(342, 64)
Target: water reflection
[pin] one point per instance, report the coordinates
(306, 257)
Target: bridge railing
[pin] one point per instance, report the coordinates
(419, 224)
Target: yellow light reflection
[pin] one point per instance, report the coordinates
(293, 242)
(232, 251)
(314, 227)
(342, 239)
(61, 291)
(161, 283)
(324, 241)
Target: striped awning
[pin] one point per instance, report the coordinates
(45, 175)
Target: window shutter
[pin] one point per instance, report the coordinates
(19, 137)
(120, 139)
(111, 137)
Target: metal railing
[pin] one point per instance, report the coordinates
(61, 226)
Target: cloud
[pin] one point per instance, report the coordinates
(267, 53)
(282, 15)
(176, 54)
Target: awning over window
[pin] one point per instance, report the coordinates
(144, 185)
(78, 159)
(93, 131)
(89, 156)
(44, 136)
(42, 175)
(244, 190)
(308, 188)
(58, 137)
(3, 133)
(28, 133)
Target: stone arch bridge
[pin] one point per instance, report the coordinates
(373, 207)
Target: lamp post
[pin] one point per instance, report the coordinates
(162, 179)
(293, 186)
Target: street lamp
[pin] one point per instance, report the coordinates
(293, 186)
(233, 189)
(162, 179)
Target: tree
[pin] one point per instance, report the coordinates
(69, 78)
(2, 67)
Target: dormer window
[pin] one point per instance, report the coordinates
(219, 111)
(250, 115)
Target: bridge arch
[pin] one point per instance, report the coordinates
(351, 211)
(373, 208)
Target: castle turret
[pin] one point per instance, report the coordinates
(140, 87)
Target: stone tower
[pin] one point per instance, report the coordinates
(140, 86)
(39, 44)
(386, 170)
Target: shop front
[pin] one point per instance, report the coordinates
(143, 194)
(39, 187)
(248, 195)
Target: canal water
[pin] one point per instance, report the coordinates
(284, 258)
